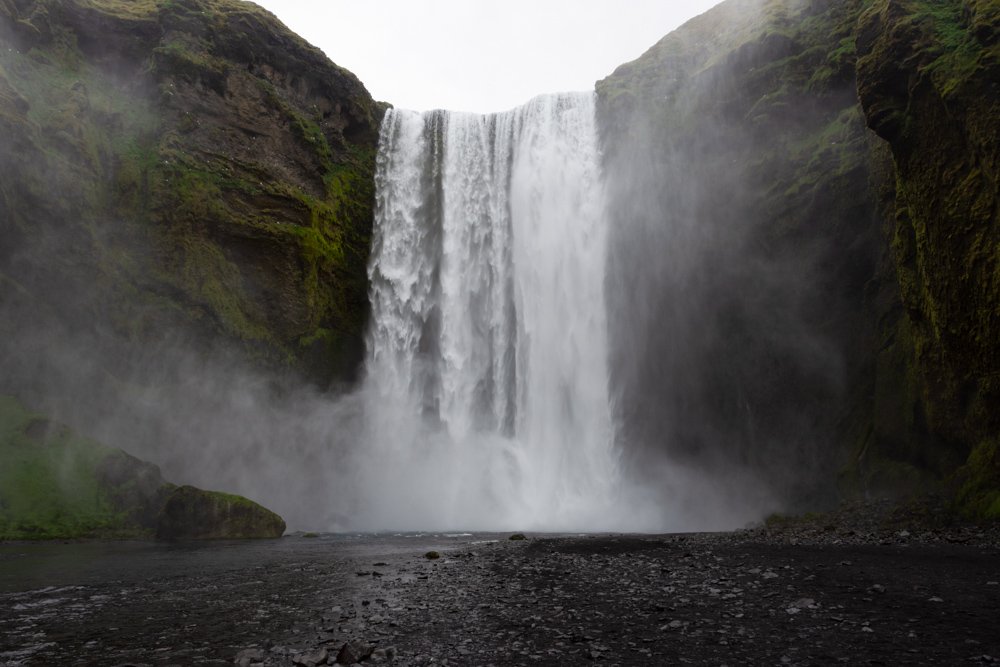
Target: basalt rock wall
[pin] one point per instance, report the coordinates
(805, 255)
(179, 169)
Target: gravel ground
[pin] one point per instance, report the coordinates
(871, 586)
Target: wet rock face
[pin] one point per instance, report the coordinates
(215, 175)
(746, 241)
(135, 488)
(927, 79)
(741, 139)
(190, 513)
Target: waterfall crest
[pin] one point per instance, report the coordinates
(487, 354)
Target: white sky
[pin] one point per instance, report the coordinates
(474, 55)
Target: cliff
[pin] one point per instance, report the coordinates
(929, 82)
(186, 169)
(739, 164)
(834, 304)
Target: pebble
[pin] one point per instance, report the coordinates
(571, 600)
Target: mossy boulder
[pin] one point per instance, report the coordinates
(193, 514)
(56, 484)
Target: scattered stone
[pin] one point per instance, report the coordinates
(608, 598)
(353, 651)
(248, 656)
(311, 658)
(432, 555)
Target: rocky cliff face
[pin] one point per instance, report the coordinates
(747, 242)
(184, 168)
(819, 297)
(929, 82)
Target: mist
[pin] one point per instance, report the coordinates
(371, 456)
(671, 353)
(736, 288)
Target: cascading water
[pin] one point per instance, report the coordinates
(487, 370)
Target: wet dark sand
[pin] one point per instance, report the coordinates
(736, 598)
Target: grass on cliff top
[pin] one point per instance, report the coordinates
(139, 9)
(132, 9)
(48, 486)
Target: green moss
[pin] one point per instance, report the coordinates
(133, 9)
(210, 277)
(978, 496)
(125, 109)
(954, 50)
(48, 481)
(191, 513)
(190, 61)
(942, 130)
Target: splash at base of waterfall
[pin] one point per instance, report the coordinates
(487, 379)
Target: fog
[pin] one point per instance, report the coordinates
(685, 368)
(735, 288)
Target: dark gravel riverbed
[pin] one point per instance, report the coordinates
(797, 596)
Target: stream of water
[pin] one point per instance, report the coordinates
(488, 352)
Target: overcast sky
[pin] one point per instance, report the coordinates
(473, 55)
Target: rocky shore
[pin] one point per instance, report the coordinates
(753, 597)
(876, 589)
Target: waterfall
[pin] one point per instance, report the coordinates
(487, 373)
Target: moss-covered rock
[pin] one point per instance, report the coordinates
(977, 483)
(927, 79)
(56, 484)
(746, 126)
(191, 513)
(184, 165)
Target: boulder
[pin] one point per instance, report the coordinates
(353, 652)
(193, 514)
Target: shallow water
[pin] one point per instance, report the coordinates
(195, 602)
